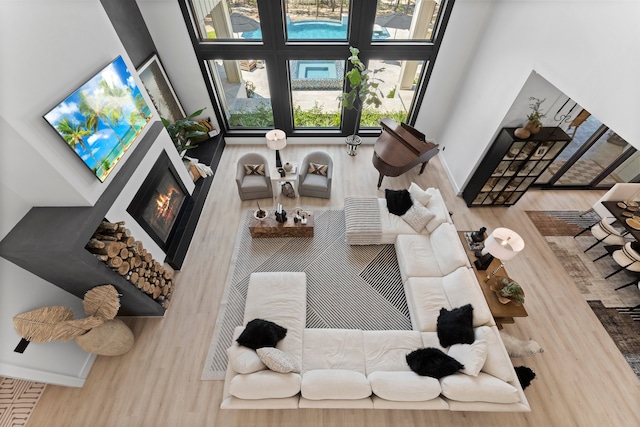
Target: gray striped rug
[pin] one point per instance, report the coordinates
(347, 286)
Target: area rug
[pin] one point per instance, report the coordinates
(347, 286)
(613, 308)
(18, 399)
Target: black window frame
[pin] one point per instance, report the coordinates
(276, 51)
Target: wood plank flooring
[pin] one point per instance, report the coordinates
(583, 380)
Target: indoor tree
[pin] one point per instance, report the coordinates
(363, 90)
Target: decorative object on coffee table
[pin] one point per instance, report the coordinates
(260, 213)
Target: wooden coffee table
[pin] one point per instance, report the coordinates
(502, 313)
(269, 227)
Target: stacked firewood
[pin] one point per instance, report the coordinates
(113, 244)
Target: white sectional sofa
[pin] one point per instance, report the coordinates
(352, 368)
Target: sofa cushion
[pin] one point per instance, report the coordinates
(265, 385)
(315, 182)
(277, 360)
(387, 350)
(439, 209)
(333, 349)
(322, 384)
(483, 388)
(252, 183)
(417, 216)
(432, 362)
(419, 195)
(261, 333)
(430, 339)
(472, 356)
(433, 255)
(244, 360)
(398, 201)
(456, 326)
(404, 386)
(280, 297)
(498, 363)
(426, 295)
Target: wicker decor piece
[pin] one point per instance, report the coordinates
(68, 329)
(40, 325)
(102, 301)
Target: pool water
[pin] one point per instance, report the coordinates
(317, 70)
(317, 30)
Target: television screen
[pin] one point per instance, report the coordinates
(101, 119)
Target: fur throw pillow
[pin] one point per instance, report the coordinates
(525, 375)
(456, 326)
(398, 201)
(261, 333)
(432, 362)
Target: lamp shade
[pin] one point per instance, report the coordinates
(276, 139)
(503, 243)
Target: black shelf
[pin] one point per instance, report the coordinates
(512, 165)
(209, 153)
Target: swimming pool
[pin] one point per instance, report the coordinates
(318, 30)
(316, 74)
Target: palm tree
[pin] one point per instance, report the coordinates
(117, 98)
(73, 133)
(94, 110)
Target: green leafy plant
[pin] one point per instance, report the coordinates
(511, 290)
(181, 130)
(535, 115)
(363, 87)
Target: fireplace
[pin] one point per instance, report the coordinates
(160, 202)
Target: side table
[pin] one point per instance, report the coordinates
(291, 177)
(502, 313)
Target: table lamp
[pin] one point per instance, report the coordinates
(503, 244)
(276, 140)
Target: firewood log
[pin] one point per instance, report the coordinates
(104, 237)
(115, 262)
(124, 268)
(134, 277)
(95, 244)
(106, 225)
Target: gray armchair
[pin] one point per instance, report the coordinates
(253, 186)
(311, 184)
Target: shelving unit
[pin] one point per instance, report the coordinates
(512, 165)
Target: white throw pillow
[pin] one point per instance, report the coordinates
(472, 356)
(244, 360)
(277, 360)
(417, 216)
(418, 194)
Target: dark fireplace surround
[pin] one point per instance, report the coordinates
(50, 241)
(160, 202)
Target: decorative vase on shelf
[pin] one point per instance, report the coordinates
(288, 167)
(532, 127)
(522, 133)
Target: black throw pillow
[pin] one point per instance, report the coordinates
(635, 246)
(432, 362)
(456, 326)
(261, 333)
(398, 201)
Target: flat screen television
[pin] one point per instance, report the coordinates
(102, 118)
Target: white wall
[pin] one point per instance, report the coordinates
(587, 49)
(48, 50)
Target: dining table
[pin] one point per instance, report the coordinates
(628, 217)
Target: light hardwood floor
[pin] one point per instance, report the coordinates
(583, 380)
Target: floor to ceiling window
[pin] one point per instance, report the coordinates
(281, 63)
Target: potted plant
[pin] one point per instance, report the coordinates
(182, 130)
(534, 124)
(507, 290)
(533, 119)
(363, 90)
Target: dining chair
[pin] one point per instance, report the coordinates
(604, 232)
(634, 282)
(620, 191)
(627, 258)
